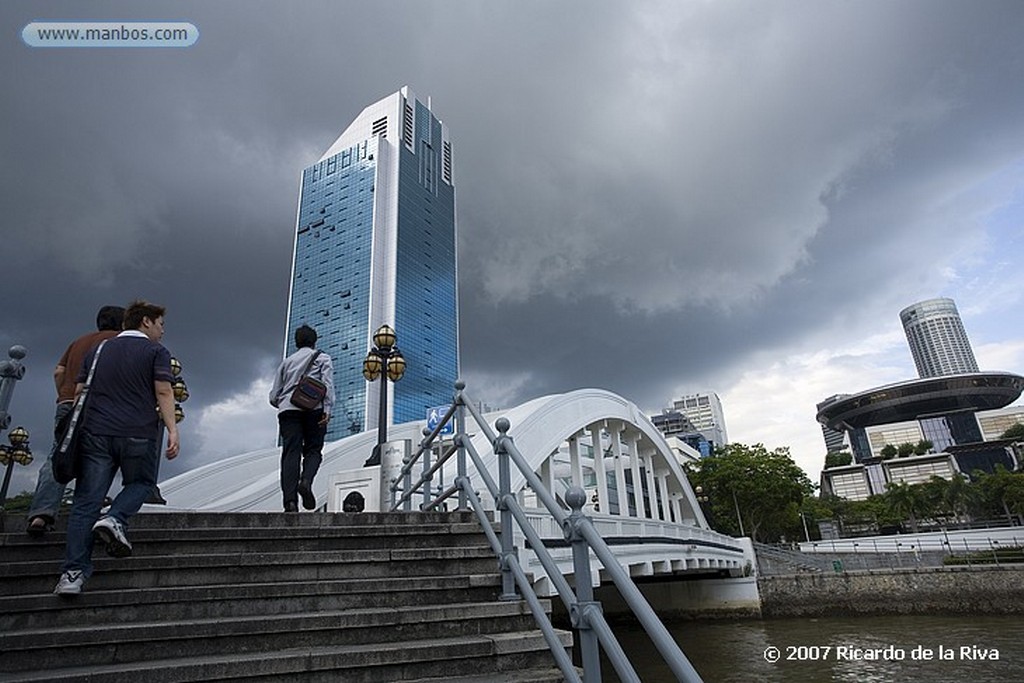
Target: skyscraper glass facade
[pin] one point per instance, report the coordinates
(375, 244)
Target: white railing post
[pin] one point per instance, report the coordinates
(460, 437)
(580, 613)
(508, 582)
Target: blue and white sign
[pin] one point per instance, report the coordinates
(434, 417)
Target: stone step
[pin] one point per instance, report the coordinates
(500, 654)
(152, 519)
(109, 643)
(20, 547)
(270, 596)
(156, 540)
(20, 578)
(537, 675)
(127, 605)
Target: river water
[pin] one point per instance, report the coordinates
(889, 649)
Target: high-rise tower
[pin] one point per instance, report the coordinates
(704, 410)
(937, 338)
(375, 244)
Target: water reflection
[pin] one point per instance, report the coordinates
(840, 650)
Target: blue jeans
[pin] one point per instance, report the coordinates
(101, 458)
(46, 499)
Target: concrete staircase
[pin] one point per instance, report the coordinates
(357, 598)
(772, 560)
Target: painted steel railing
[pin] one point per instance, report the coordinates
(585, 613)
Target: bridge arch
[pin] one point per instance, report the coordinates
(566, 430)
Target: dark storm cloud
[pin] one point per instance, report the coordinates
(647, 192)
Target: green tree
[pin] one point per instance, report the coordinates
(18, 503)
(996, 491)
(933, 498)
(959, 497)
(755, 488)
(922, 447)
(907, 501)
(904, 450)
(888, 451)
(1014, 432)
(837, 458)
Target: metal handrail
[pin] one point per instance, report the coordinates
(577, 528)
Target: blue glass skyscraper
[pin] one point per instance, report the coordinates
(375, 244)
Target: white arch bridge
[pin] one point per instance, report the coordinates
(655, 528)
(633, 513)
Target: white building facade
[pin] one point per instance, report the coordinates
(704, 410)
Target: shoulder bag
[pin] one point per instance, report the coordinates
(65, 457)
(309, 392)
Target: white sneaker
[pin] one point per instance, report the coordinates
(70, 583)
(110, 532)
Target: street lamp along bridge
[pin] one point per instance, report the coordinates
(18, 452)
(385, 361)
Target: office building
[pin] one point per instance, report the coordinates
(702, 410)
(676, 426)
(960, 411)
(937, 338)
(375, 244)
(835, 440)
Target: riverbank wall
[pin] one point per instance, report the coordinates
(930, 590)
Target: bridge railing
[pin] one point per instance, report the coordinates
(585, 612)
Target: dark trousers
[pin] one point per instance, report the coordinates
(302, 440)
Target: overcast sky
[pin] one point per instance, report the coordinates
(653, 197)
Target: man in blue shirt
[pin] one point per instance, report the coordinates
(130, 394)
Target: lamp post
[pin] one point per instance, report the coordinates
(17, 452)
(10, 372)
(702, 501)
(180, 396)
(384, 360)
(180, 390)
(739, 517)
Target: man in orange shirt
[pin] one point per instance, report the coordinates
(47, 497)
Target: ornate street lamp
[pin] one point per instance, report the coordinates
(180, 396)
(180, 390)
(17, 452)
(385, 361)
(10, 372)
(699, 491)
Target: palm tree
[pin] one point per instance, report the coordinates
(933, 498)
(959, 496)
(906, 501)
(996, 489)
